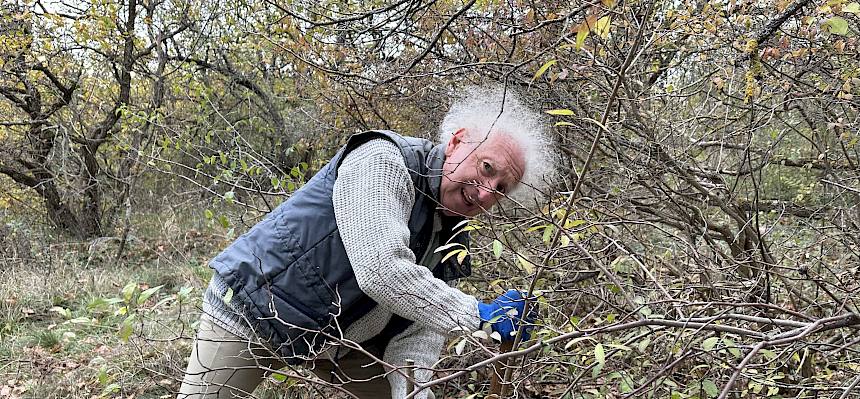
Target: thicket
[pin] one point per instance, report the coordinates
(701, 239)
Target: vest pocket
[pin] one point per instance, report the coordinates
(296, 326)
(297, 305)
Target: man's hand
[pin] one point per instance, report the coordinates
(504, 315)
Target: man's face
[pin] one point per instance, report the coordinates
(476, 174)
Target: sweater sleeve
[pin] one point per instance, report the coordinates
(373, 198)
(420, 344)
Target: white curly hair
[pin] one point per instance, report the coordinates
(484, 110)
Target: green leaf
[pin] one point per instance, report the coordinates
(643, 344)
(837, 26)
(710, 343)
(580, 38)
(596, 370)
(102, 376)
(66, 313)
(710, 389)
(208, 214)
(547, 233)
(228, 296)
(126, 328)
(543, 69)
(111, 389)
(497, 248)
(146, 294)
(853, 8)
(230, 196)
(184, 291)
(128, 291)
(224, 222)
(560, 112)
(599, 354)
(163, 301)
(732, 347)
(535, 228)
(576, 341)
(619, 347)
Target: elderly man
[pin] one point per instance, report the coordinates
(351, 259)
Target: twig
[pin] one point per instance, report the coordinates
(728, 388)
(410, 375)
(433, 42)
(631, 55)
(850, 387)
(853, 190)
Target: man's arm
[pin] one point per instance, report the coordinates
(420, 344)
(373, 198)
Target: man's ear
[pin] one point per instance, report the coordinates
(455, 141)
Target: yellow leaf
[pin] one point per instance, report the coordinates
(456, 252)
(527, 265)
(580, 38)
(543, 69)
(461, 256)
(560, 112)
(602, 26)
(569, 224)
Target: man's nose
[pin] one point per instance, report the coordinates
(486, 195)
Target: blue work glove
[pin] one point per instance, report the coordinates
(500, 316)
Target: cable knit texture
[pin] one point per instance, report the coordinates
(225, 314)
(373, 197)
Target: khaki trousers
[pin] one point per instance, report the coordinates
(223, 365)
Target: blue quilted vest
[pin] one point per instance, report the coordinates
(291, 274)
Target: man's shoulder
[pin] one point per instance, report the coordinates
(402, 141)
(376, 147)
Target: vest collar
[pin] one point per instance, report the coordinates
(435, 161)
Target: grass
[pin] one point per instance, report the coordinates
(61, 317)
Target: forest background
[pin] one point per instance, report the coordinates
(701, 239)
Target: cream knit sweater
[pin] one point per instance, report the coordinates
(373, 198)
